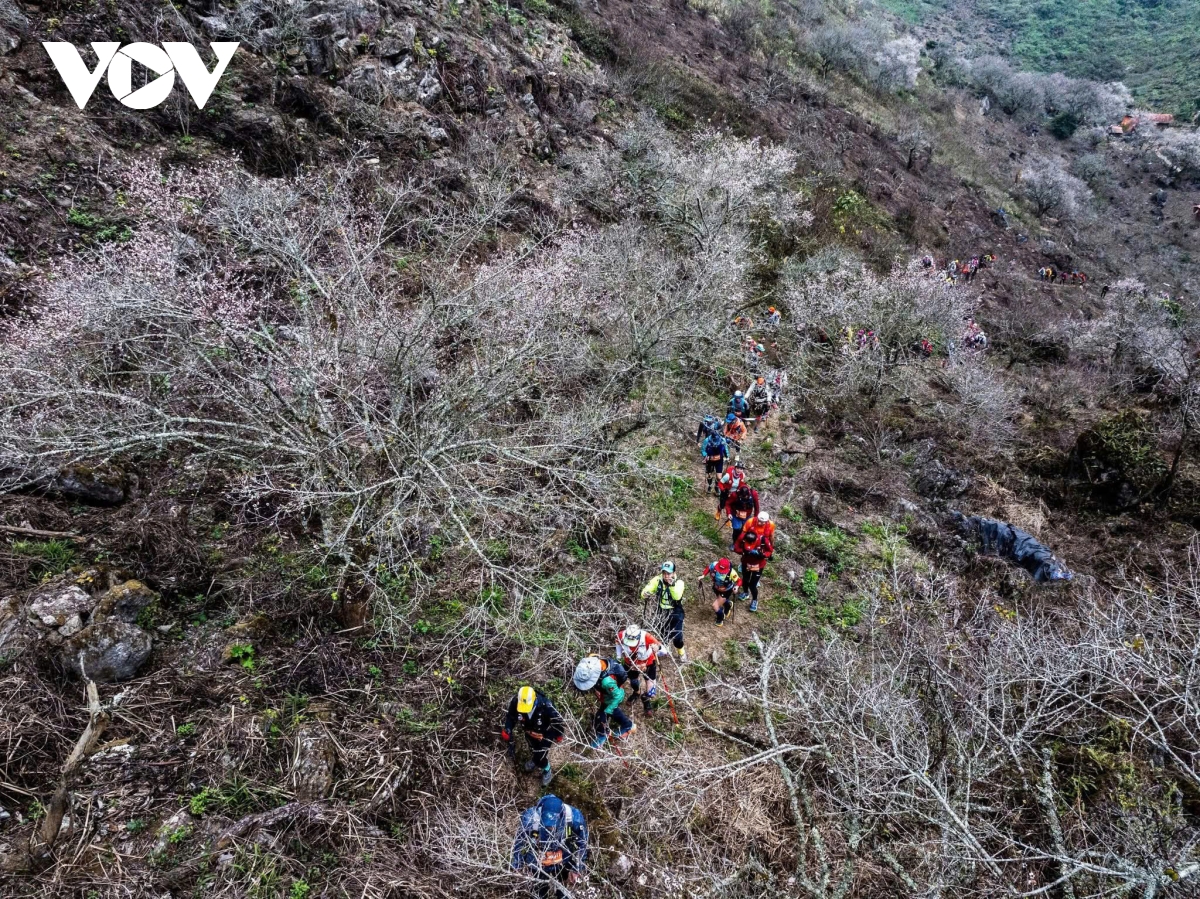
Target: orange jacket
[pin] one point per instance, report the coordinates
(758, 537)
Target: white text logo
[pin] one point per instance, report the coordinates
(172, 58)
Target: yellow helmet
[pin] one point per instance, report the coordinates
(526, 697)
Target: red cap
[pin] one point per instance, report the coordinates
(723, 567)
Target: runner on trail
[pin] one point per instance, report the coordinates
(726, 583)
(710, 425)
(778, 382)
(638, 651)
(728, 483)
(551, 845)
(738, 405)
(756, 543)
(667, 590)
(758, 396)
(606, 678)
(543, 727)
(741, 507)
(715, 452)
(734, 433)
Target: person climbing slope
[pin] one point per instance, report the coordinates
(638, 651)
(725, 583)
(756, 544)
(727, 484)
(543, 727)
(551, 845)
(734, 432)
(667, 591)
(741, 507)
(709, 426)
(715, 452)
(758, 396)
(605, 677)
(738, 405)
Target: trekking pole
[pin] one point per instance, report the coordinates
(670, 703)
(612, 741)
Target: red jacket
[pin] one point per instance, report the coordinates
(757, 537)
(731, 503)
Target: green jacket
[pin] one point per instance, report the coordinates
(611, 695)
(668, 597)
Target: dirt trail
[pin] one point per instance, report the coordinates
(692, 550)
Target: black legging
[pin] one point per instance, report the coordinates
(673, 624)
(726, 608)
(752, 578)
(540, 750)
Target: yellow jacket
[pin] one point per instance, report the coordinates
(668, 596)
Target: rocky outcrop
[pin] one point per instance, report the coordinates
(939, 481)
(13, 27)
(88, 619)
(107, 651)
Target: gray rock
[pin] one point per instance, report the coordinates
(107, 651)
(429, 89)
(214, 26)
(60, 604)
(16, 634)
(940, 481)
(13, 27)
(125, 601)
(621, 868)
(73, 626)
(312, 771)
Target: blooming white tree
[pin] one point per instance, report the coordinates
(1053, 191)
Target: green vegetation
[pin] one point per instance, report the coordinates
(832, 544)
(53, 556)
(243, 654)
(708, 528)
(674, 498)
(1150, 45)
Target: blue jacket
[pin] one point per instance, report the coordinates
(538, 840)
(715, 446)
(738, 405)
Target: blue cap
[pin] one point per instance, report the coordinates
(731, 418)
(552, 809)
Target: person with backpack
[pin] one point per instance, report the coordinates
(725, 583)
(638, 651)
(727, 484)
(758, 396)
(756, 544)
(543, 727)
(607, 678)
(709, 426)
(738, 405)
(740, 508)
(734, 432)
(551, 845)
(715, 452)
(667, 591)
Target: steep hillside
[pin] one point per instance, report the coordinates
(337, 411)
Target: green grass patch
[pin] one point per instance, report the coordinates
(831, 544)
(708, 528)
(562, 589)
(674, 498)
(51, 556)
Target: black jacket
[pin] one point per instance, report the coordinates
(544, 719)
